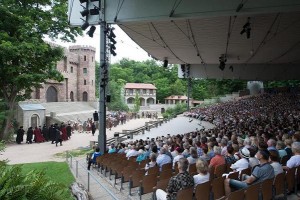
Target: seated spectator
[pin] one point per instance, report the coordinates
(181, 181)
(218, 159)
(179, 155)
(229, 158)
(132, 152)
(203, 174)
(294, 161)
(112, 148)
(280, 147)
(94, 157)
(163, 158)
(288, 147)
(141, 156)
(152, 162)
(274, 161)
(271, 144)
(260, 173)
(205, 156)
(253, 161)
(193, 156)
(242, 163)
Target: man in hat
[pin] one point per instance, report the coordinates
(261, 172)
(242, 163)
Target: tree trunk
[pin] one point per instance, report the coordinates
(79, 191)
(8, 122)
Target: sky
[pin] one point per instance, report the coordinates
(125, 47)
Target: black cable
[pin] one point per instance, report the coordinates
(286, 52)
(195, 44)
(118, 10)
(174, 8)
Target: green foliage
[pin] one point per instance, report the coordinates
(174, 111)
(26, 60)
(137, 103)
(32, 185)
(288, 83)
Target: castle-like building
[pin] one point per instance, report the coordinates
(78, 69)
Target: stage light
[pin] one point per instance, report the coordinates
(84, 13)
(94, 11)
(231, 68)
(91, 31)
(222, 60)
(85, 25)
(112, 40)
(166, 62)
(82, 1)
(247, 28)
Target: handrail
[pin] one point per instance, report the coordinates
(89, 174)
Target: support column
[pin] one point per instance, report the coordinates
(189, 84)
(102, 88)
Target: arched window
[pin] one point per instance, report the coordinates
(84, 96)
(84, 82)
(51, 94)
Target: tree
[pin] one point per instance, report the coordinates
(26, 60)
(137, 103)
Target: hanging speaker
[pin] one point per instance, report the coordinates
(108, 97)
(95, 116)
(166, 62)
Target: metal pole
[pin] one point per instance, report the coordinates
(88, 181)
(71, 161)
(102, 88)
(188, 86)
(76, 168)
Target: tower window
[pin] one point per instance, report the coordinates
(84, 58)
(92, 82)
(85, 70)
(92, 58)
(84, 82)
(71, 69)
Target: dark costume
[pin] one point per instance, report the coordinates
(93, 128)
(64, 135)
(58, 135)
(29, 135)
(52, 133)
(45, 132)
(20, 134)
(69, 131)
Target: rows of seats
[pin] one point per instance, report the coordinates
(133, 172)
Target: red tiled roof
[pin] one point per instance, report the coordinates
(140, 86)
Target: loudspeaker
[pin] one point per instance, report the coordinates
(166, 62)
(95, 116)
(108, 98)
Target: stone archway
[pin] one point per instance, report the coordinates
(150, 101)
(130, 100)
(84, 96)
(72, 96)
(142, 101)
(51, 94)
(34, 120)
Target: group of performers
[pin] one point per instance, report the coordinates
(55, 133)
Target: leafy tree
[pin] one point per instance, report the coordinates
(117, 101)
(26, 60)
(137, 103)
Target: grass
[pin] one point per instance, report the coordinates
(75, 152)
(58, 172)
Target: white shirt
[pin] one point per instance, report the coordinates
(191, 160)
(132, 152)
(253, 161)
(294, 161)
(199, 178)
(240, 164)
(277, 168)
(176, 159)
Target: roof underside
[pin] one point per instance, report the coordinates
(201, 31)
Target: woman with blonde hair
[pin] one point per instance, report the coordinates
(203, 174)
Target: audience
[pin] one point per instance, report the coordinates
(203, 174)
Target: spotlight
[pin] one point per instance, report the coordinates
(166, 62)
(91, 31)
(85, 25)
(111, 34)
(94, 11)
(246, 28)
(222, 66)
(113, 52)
(112, 40)
(84, 13)
(83, 1)
(222, 60)
(231, 68)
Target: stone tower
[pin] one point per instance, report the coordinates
(78, 69)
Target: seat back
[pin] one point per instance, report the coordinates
(234, 175)
(192, 169)
(153, 170)
(148, 182)
(267, 188)
(218, 187)
(237, 195)
(279, 184)
(245, 171)
(166, 166)
(136, 177)
(252, 192)
(167, 174)
(176, 170)
(162, 184)
(211, 173)
(185, 194)
(290, 178)
(202, 191)
(220, 169)
(283, 160)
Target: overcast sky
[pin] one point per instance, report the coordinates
(126, 47)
